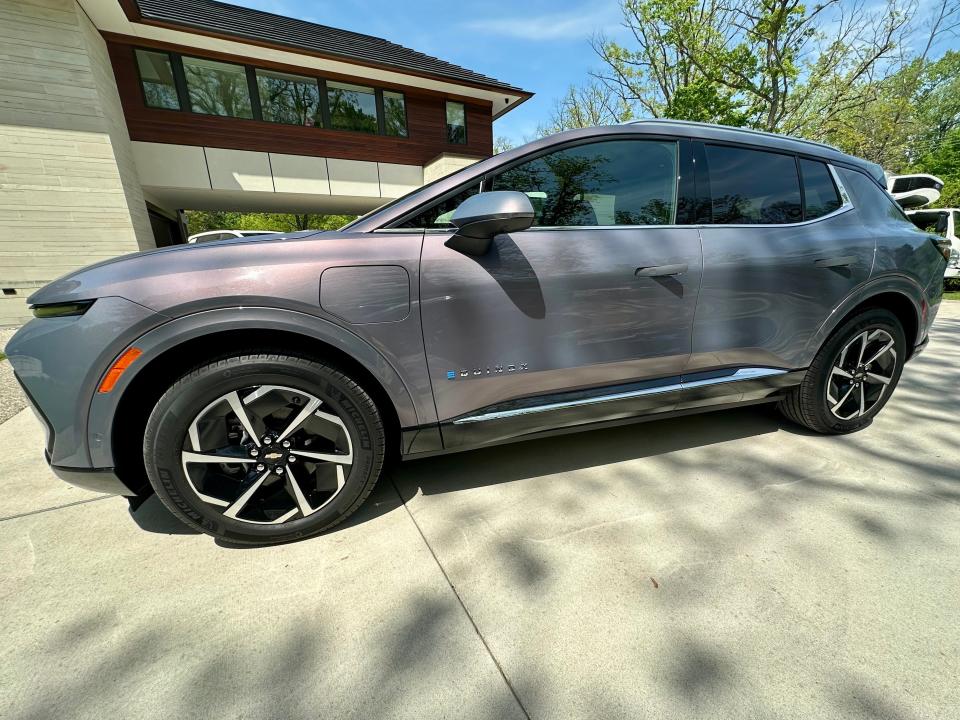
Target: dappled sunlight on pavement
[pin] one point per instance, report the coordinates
(721, 565)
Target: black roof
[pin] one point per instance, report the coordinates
(224, 19)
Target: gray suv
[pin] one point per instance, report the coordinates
(592, 278)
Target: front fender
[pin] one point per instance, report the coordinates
(888, 283)
(103, 406)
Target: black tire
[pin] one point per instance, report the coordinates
(168, 425)
(807, 404)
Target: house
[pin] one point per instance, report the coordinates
(115, 115)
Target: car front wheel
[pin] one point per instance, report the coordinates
(264, 448)
(852, 376)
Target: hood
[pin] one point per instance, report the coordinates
(158, 278)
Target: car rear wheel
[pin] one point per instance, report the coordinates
(264, 448)
(852, 376)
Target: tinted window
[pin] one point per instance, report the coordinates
(352, 107)
(623, 182)
(217, 88)
(753, 186)
(289, 99)
(438, 215)
(820, 196)
(394, 114)
(156, 76)
(456, 123)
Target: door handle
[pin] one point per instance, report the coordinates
(655, 271)
(842, 261)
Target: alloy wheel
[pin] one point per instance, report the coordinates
(267, 454)
(859, 377)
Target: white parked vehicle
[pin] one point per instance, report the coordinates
(212, 235)
(914, 191)
(946, 223)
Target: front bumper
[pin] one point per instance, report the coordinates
(101, 480)
(60, 361)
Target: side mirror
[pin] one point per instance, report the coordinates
(480, 218)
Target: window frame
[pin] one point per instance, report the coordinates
(837, 187)
(177, 78)
(383, 113)
(355, 87)
(705, 186)
(253, 91)
(396, 224)
(253, 98)
(258, 114)
(446, 125)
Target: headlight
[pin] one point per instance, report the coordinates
(61, 309)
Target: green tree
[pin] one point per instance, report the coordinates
(943, 160)
(587, 105)
(776, 65)
(203, 220)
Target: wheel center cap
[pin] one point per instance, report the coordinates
(273, 456)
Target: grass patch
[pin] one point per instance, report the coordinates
(951, 295)
(4, 357)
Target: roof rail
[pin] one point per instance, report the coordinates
(761, 133)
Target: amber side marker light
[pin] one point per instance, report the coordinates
(118, 368)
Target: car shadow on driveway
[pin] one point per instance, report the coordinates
(518, 461)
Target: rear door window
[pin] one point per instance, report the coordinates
(750, 187)
(820, 196)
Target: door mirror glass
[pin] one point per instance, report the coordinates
(480, 218)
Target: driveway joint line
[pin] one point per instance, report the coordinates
(463, 606)
(55, 507)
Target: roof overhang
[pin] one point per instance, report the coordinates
(123, 18)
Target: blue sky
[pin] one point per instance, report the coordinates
(540, 45)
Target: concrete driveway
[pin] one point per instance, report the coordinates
(727, 565)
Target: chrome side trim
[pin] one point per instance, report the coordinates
(844, 196)
(740, 374)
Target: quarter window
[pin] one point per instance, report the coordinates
(394, 114)
(625, 182)
(456, 123)
(156, 77)
(438, 215)
(217, 88)
(753, 186)
(289, 99)
(352, 107)
(820, 196)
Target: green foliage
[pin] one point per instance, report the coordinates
(847, 72)
(202, 220)
(943, 160)
(584, 106)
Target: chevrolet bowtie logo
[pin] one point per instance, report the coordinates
(273, 456)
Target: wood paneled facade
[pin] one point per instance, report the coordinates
(426, 118)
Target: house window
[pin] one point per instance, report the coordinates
(352, 107)
(456, 123)
(156, 77)
(289, 99)
(394, 114)
(217, 88)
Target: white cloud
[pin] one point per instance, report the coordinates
(575, 25)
